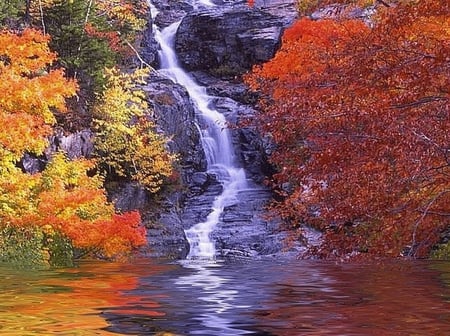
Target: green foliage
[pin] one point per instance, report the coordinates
(83, 56)
(34, 247)
(22, 246)
(442, 252)
(11, 10)
(60, 249)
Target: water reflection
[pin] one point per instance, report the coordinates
(216, 296)
(256, 298)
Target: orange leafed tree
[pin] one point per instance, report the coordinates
(30, 90)
(65, 199)
(361, 119)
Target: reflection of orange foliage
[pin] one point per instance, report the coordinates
(79, 298)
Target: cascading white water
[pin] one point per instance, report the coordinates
(216, 141)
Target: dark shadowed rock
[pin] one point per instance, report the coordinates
(149, 46)
(228, 40)
(32, 164)
(175, 116)
(128, 196)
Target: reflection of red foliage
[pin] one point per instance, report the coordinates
(391, 299)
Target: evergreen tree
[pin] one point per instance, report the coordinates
(83, 56)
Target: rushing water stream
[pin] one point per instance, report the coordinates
(216, 141)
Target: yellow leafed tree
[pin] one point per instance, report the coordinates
(126, 141)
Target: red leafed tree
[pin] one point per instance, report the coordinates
(361, 119)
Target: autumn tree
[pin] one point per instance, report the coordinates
(360, 117)
(31, 91)
(83, 55)
(48, 213)
(126, 141)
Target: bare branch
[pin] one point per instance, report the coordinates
(421, 101)
(424, 213)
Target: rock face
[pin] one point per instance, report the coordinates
(174, 114)
(75, 145)
(221, 40)
(228, 40)
(345, 11)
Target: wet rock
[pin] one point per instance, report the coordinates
(149, 46)
(170, 11)
(233, 89)
(199, 178)
(210, 40)
(250, 148)
(165, 232)
(244, 230)
(197, 205)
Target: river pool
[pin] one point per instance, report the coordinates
(266, 297)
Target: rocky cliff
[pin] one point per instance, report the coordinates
(217, 45)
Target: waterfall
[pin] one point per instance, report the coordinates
(216, 141)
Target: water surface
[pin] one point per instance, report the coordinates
(270, 297)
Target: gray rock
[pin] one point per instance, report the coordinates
(345, 11)
(128, 196)
(199, 178)
(175, 117)
(165, 232)
(32, 164)
(75, 145)
(225, 41)
(233, 89)
(229, 40)
(149, 46)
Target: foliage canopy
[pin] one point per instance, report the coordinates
(361, 117)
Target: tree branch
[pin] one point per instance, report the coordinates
(424, 213)
(421, 101)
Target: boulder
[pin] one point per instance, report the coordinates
(228, 40)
